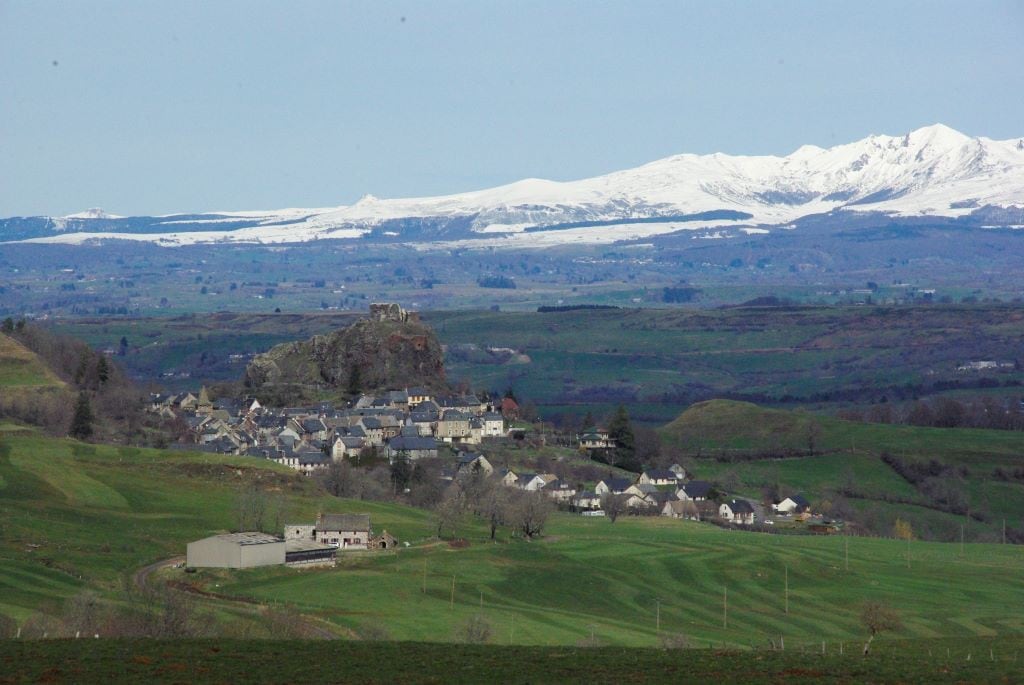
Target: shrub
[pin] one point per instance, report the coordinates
(475, 631)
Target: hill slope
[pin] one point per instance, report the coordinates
(938, 478)
(368, 355)
(22, 368)
(76, 516)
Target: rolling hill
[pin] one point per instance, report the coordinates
(938, 478)
(78, 516)
(20, 368)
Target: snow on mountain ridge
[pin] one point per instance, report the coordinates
(933, 170)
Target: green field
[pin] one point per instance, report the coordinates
(21, 369)
(74, 515)
(232, 661)
(78, 516)
(592, 576)
(720, 440)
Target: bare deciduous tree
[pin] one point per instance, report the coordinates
(878, 618)
(613, 505)
(475, 631)
(530, 511)
(450, 511)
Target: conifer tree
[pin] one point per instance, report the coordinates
(621, 431)
(103, 370)
(81, 422)
(355, 380)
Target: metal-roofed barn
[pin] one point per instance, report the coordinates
(236, 550)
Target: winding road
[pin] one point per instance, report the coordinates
(141, 579)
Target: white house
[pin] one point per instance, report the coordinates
(795, 504)
(615, 486)
(737, 511)
(530, 482)
(494, 425)
(658, 477)
(697, 490)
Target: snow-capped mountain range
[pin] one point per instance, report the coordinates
(934, 171)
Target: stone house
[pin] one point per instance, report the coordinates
(344, 531)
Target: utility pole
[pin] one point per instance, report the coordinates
(787, 589)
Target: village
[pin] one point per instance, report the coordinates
(415, 425)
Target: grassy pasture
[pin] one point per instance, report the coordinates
(20, 368)
(73, 514)
(594, 577)
(716, 435)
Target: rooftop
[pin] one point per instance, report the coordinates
(248, 538)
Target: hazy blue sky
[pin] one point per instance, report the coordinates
(158, 107)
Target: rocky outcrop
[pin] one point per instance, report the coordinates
(376, 354)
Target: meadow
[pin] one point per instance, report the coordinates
(623, 583)
(726, 441)
(75, 515)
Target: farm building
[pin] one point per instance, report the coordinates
(236, 550)
(299, 552)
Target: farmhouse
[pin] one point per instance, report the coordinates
(412, 448)
(796, 504)
(587, 500)
(737, 511)
(615, 486)
(678, 509)
(529, 482)
(596, 439)
(236, 550)
(470, 462)
(697, 490)
(344, 531)
(658, 477)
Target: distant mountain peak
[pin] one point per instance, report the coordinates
(94, 213)
(932, 171)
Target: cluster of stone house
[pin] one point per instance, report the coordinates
(412, 422)
(301, 545)
(668, 492)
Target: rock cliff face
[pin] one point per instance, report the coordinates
(368, 355)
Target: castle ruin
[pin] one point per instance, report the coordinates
(390, 311)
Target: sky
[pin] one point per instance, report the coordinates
(148, 107)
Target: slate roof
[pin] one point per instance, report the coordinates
(740, 506)
(697, 488)
(409, 444)
(660, 474)
(617, 484)
(353, 522)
